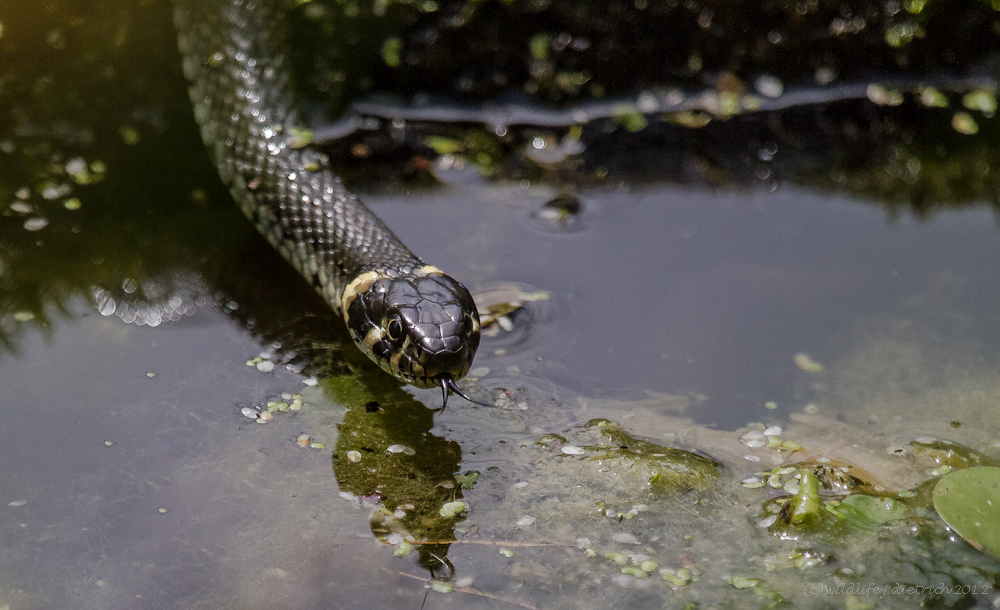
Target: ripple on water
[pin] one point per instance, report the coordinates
(511, 314)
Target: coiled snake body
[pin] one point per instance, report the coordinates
(414, 321)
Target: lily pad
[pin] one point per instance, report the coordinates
(969, 502)
(868, 510)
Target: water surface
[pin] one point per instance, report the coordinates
(716, 277)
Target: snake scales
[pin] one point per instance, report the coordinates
(414, 321)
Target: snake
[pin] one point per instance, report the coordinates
(414, 321)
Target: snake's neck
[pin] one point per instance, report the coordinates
(245, 104)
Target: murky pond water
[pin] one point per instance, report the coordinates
(184, 423)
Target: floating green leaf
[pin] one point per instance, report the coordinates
(674, 579)
(868, 510)
(969, 502)
(403, 549)
(467, 480)
(742, 582)
(450, 509)
(637, 572)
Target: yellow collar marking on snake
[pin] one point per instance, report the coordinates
(357, 286)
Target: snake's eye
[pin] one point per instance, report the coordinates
(395, 330)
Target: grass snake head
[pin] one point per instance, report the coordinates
(419, 325)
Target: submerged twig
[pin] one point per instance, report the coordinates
(494, 543)
(474, 591)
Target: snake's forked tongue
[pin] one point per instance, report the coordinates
(447, 383)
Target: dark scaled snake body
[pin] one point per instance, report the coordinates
(415, 322)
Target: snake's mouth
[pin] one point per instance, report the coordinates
(417, 366)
